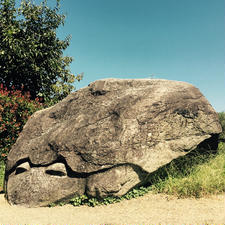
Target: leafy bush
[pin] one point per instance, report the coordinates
(31, 53)
(15, 109)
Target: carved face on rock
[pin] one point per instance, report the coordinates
(104, 139)
(34, 186)
(38, 186)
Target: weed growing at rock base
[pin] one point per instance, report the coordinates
(85, 200)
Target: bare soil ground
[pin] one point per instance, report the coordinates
(149, 209)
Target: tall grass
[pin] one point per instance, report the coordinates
(195, 175)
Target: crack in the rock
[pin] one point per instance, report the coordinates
(74, 174)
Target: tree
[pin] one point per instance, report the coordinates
(31, 55)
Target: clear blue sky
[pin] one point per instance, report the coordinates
(172, 39)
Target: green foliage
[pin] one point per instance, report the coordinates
(15, 109)
(222, 122)
(78, 200)
(92, 202)
(31, 55)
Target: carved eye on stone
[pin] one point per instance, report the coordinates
(22, 168)
(57, 169)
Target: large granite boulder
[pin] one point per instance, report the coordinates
(105, 139)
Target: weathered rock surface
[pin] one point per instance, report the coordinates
(106, 138)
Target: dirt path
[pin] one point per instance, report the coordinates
(149, 209)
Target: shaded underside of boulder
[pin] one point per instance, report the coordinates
(106, 138)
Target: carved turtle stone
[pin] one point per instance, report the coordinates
(105, 139)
